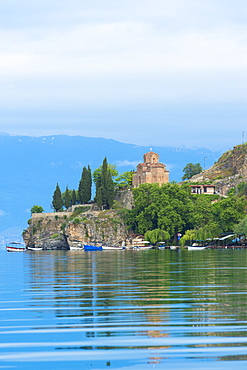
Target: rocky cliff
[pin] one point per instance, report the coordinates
(82, 225)
(79, 229)
(228, 171)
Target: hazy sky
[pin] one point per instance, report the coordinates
(148, 72)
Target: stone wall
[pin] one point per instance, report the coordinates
(50, 215)
(125, 198)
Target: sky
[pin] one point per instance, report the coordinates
(147, 72)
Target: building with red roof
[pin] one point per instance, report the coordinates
(151, 171)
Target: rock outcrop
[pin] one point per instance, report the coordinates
(81, 228)
(228, 171)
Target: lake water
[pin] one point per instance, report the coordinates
(123, 310)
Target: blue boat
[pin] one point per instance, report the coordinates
(92, 248)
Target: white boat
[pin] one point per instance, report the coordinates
(196, 247)
(112, 248)
(76, 248)
(34, 248)
(142, 247)
(15, 247)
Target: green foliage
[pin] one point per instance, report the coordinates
(63, 226)
(209, 231)
(124, 180)
(76, 221)
(173, 208)
(98, 172)
(166, 207)
(67, 200)
(57, 201)
(37, 209)
(187, 237)
(190, 170)
(73, 198)
(241, 189)
(157, 235)
(55, 236)
(67, 197)
(79, 210)
(241, 227)
(104, 186)
(228, 212)
(85, 186)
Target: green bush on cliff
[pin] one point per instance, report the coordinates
(79, 210)
(37, 209)
(76, 221)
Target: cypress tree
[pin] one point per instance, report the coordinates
(104, 183)
(67, 200)
(98, 197)
(89, 184)
(82, 186)
(57, 201)
(85, 185)
(110, 193)
(73, 197)
(105, 187)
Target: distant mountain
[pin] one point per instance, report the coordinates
(31, 166)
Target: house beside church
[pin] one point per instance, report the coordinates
(151, 171)
(202, 189)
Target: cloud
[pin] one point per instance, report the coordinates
(127, 163)
(2, 213)
(91, 67)
(160, 50)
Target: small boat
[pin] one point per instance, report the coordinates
(142, 247)
(196, 247)
(75, 248)
(112, 248)
(92, 248)
(16, 247)
(34, 248)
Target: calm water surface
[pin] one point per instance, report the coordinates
(123, 310)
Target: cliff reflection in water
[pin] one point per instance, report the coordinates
(175, 305)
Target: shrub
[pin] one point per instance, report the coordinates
(76, 221)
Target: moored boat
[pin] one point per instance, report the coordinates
(34, 248)
(143, 247)
(92, 248)
(112, 248)
(196, 247)
(75, 248)
(15, 247)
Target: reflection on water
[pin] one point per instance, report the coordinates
(123, 309)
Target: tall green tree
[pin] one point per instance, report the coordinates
(104, 186)
(190, 170)
(241, 227)
(85, 185)
(67, 200)
(157, 235)
(73, 198)
(57, 202)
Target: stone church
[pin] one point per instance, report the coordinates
(151, 171)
